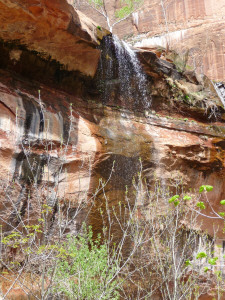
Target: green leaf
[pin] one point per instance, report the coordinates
(187, 198)
(176, 203)
(201, 189)
(222, 214)
(206, 269)
(222, 202)
(212, 261)
(201, 255)
(206, 188)
(172, 199)
(201, 205)
(187, 263)
(209, 188)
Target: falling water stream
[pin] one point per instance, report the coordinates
(127, 58)
(121, 68)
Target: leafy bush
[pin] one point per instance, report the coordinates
(83, 270)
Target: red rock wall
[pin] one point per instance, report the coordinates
(202, 21)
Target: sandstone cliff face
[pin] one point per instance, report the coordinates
(57, 130)
(194, 25)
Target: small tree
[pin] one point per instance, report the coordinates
(128, 7)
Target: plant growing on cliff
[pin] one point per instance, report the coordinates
(102, 7)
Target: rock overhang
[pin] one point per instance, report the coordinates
(53, 29)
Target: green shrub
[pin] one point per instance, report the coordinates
(83, 270)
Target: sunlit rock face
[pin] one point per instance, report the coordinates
(197, 25)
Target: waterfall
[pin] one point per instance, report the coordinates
(127, 58)
(220, 89)
(120, 67)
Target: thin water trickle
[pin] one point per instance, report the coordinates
(120, 67)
